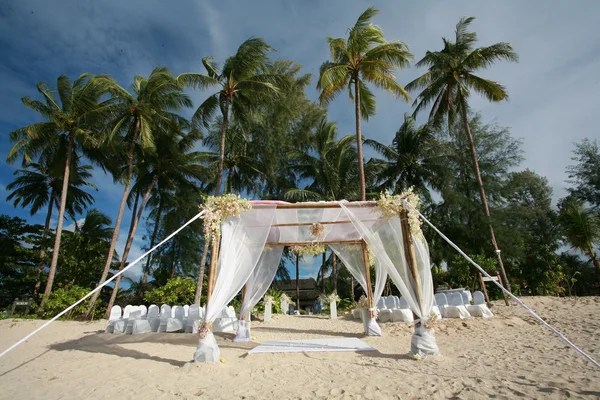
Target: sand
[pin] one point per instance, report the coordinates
(509, 356)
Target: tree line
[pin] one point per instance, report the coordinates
(259, 135)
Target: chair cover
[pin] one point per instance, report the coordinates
(115, 315)
(456, 307)
(175, 323)
(479, 308)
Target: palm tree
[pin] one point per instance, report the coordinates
(581, 228)
(447, 87)
(365, 57)
(76, 116)
(242, 89)
(329, 164)
(154, 100)
(173, 164)
(414, 159)
(39, 185)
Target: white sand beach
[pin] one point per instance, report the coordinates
(509, 356)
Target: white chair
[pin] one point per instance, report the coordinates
(115, 315)
(390, 304)
(165, 314)
(175, 323)
(381, 303)
(227, 321)
(186, 311)
(442, 303)
(383, 313)
(479, 308)
(121, 324)
(137, 322)
(356, 313)
(403, 312)
(465, 298)
(456, 308)
(193, 318)
(153, 317)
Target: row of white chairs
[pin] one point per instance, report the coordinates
(139, 319)
(451, 305)
(457, 305)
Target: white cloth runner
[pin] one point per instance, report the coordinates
(311, 345)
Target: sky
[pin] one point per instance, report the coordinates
(554, 89)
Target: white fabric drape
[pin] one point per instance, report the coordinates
(242, 243)
(385, 241)
(352, 257)
(257, 285)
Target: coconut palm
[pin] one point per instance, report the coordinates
(581, 228)
(172, 163)
(154, 100)
(414, 159)
(329, 164)
(38, 186)
(365, 57)
(243, 86)
(76, 116)
(447, 86)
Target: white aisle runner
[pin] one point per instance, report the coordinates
(306, 345)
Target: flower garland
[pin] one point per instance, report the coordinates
(363, 302)
(220, 208)
(317, 229)
(268, 299)
(333, 297)
(392, 205)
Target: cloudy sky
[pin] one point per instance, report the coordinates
(553, 89)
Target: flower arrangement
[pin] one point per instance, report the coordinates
(392, 205)
(285, 297)
(431, 321)
(363, 302)
(220, 208)
(323, 298)
(268, 299)
(204, 329)
(317, 230)
(312, 249)
(333, 297)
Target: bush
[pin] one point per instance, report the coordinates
(62, 298)
(176, 291)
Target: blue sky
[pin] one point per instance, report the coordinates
(554, 89)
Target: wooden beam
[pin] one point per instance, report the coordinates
(482, 280)
(411, 259)
(365, 251)
(318, 205)
(359, 241)
(324, 223)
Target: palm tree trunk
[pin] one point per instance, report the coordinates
(174, 261)
(132, 230)
(115, 237)
(361, 167)
(198, 294)
(596, 263)
(40, 266)
(484, 203)
(229, 183)
(222, 147)
(61, 217)
(152, 240)
(297, 282)
(352, 287)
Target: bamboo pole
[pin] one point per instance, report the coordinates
(319, 205)
(310, 243)
(485, 293)
(368, 278)
(243, 298)
(212, 274)
(411, 260)
(503, 292)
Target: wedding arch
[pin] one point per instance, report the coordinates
(248, 238)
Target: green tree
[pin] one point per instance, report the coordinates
(447, 86)
(178, 290)
(581, 228)
(77, 115)
(18, 261)
(154, 100)
(243, 87)
(173, 163)
(38, 186)
(585, 175)
(84, 250)
(365, 57)
(414, 159)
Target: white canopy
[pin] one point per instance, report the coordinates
(268, 225)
